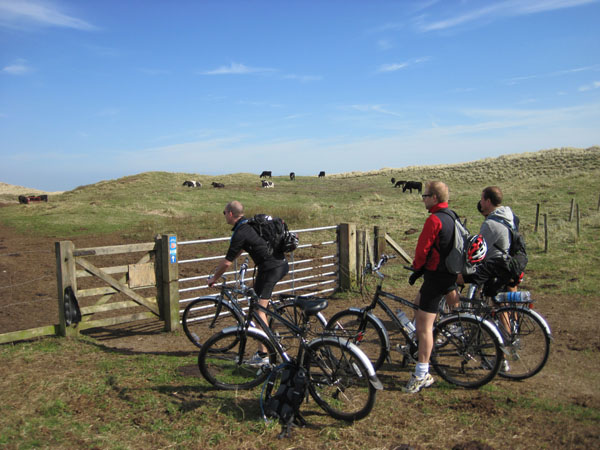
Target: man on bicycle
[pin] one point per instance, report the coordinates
(272, 267)
(434, 244)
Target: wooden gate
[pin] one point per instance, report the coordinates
(146, 286)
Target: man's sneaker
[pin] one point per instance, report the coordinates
(505, 366)
(415, 384)
(258, 359)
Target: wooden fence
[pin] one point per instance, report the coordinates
(124, 283)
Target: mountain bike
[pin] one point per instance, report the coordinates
(527, 335)
(341, 379)
(208, 314)
(467, 348)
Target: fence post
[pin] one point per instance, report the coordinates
(347, 255)
(65, 277)
(537, 217)
(572, 208)
(578, 221)
(361, 255)
(545, 233)
(379, 233)
(168, 284)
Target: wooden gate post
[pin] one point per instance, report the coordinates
(167, 282)
(379, 233)
(65, 277)
(347, 255)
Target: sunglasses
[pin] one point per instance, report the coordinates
(426, 195)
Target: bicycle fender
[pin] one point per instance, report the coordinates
(484, 322)
(373, 379)
(250, 331)
(542, 320)
(379, 323)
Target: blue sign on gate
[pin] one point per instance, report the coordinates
(173, 249)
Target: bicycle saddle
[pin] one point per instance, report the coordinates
(311, 306)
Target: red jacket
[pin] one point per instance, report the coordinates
(427, 255)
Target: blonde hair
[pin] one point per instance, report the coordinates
(439, 189)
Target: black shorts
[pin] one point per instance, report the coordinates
(268, 277)
(435, 286)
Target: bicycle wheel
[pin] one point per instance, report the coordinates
(232, 368)
(366, 334)
(207, 315)
(339, 379)
(527, 343)
(466, 351)
(288, 310)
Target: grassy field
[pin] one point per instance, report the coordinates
(140, 206)
(81, 393)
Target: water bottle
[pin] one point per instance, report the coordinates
(519, 297)
(407, 324)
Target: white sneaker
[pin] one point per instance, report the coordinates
(258, 360)
(505, 366)
(415, 384)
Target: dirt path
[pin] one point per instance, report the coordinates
(28, 299)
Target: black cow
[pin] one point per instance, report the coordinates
(399, 183)
(292, 176)
(322, 174)
(267, 184)
(265, 174)
(217, 185)
(393, 180)
(410, 185)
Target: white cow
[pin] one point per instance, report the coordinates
(267, 184)
(192, 183)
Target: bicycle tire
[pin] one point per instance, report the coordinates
(527, 344)
(466, 351)
(367, 334)
(223, 369)
(339, 379)
(201, 318)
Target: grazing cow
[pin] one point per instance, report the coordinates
(265, 174)
(217, 185)
(267, 184)
(322, 174)
(399, 183)
(410, 185)
(192, 183)
(292, 176)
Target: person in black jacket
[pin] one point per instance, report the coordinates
(272, 267)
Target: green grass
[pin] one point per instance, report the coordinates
(140, 206)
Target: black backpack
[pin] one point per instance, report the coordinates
(275, 231)
(516, 258)
(285, 403)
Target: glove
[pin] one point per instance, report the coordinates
(415, 276)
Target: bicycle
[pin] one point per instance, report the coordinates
(467, 348)
(526, 333)
(341, 379)
(206, 315)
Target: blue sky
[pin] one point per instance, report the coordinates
(99, 89)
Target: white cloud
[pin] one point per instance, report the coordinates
(557, 73)
(589, 87)
(236, 69)
(393, 67)
(498, 10)
(19, 13)
(374, 108)
(303, 78)
(17, 68)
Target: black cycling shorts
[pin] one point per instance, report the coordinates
(267, 278)
(435, 286)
